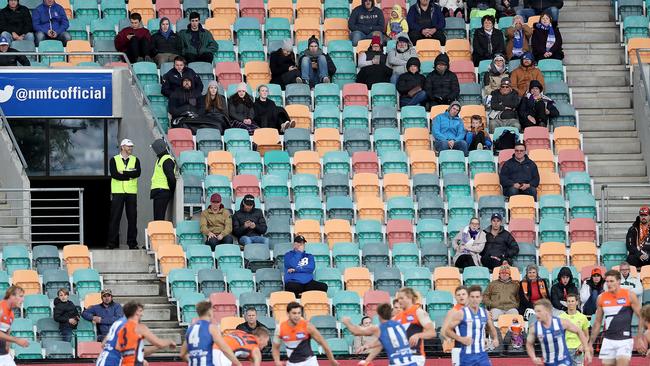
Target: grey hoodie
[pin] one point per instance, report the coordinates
(397, 60)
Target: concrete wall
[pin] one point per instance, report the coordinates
(14, 176)
(642, 109)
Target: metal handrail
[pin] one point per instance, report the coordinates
(604, 202)
(5, 124)
(643, 76)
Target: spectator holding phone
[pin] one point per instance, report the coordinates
(134, 40)
(50, 22)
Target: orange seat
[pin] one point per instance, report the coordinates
(458, 49)
(514, 274)
(428, 49)
(230, 323)
(566, 138)
(645, 276)
(549, 183)
(571, 161)
(537, 137)
(76, 256)
(336, 29)
(552, 254)
(583, 253)
(221, 163)
(634, 44)
(225, 10)
(371, 208)
(365, 185)
(228, 73)
(338, 231)
(399, 231)
(326, 139)
(357, 279)
(278, 302)
(310, 229)
(532, 20)
(487, 184)
(220, 28)
(464, 70)
(244, 184)
(523, 230)
(79, 46)
(372, 299)
(306, 162)
(362, 46)
(61, 65)
(315, 303)
(396, 185)
(437, 109)
(633, 271)
(91, 299)
(467, 111)
(505, 321)
(365, 162)
(309, 9)
(417, 138)
(582, 229)
(266, 139)
(355, 94)
(224, 304)
(160, 233)
(543, 158)
(257, 73)
(306, 27)
(446, 278)
(280, 9)
(144, 7)
(65, 4)
(89, 349)
(423, 161)
(301, 114)
(170, 256)
(28, 280)
(522, 207)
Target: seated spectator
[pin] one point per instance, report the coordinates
(241, 110)
(11, 60)
(248, 224)
(518, 36)
(134, 40)
(502, 295)
(50, 22)
(628, 281)
(502, 105)
(284, 69)
(397, 307)
(410, 85)
(315, 65)
(66, 314)
(251, 322)
(449, 130)
(164, 43)
(104, 314)
(507, 8)
(497, 71)
(216, 223)
(487, 41)
(425, 20)
(573, 314)
(363, 341)
(535, 108)
(481, 8)
(196, 43)
(215, 110)
(531, 289)
(185, 104)
(398, 57)
(397, 23)
(525, 73)
(637, 239)
(267, 114)
(299, 269)
(172, 80)
(16, 22)
(441, 85)
(365, 21)
(476, 138)
(562, 289)
(546, 41)
(468, 245)
(452, 8)
(551, 7)
(519, 175)
(589, 291)
(372, 65)
(500, 246)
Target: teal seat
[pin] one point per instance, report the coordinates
(304, 185)
(400, 208)
(582, 204)
(346, 303)
(426, 183)
(613, 253)
(104, 30)
(228, 256)
(332, 277)
(383, 94)
(160, 112)
(434, 254)
(470, 93)
(321, 253)
(418, 278)
(455, 28)
(427, 67)
(51, 46)
(326, 325)
(309, 208)
(635, 26)
(192, 162)
(489, 205)
(455, 225)
(451, 161)
(187, 306)
(628, 8)
(274, 186)
(78, 27)
(577, 182)
(336, 162)
(199, 6)
(204, 70)
(513, 64)
(86, 280)
(439, 300)
(32, 352)
(474, 275)
(152, 91)
(257, 256)
(15, 257)
(25, 46)
(146, 72)
(345, 255)
(23, 328)
(236, 139)
(483, 66)
(215, 183)
(278, 208)
(338, 346)
(250, 49)
(268, 280)
(339, 207)
(226, 52)
(394, 162)
(253, 300)
(208, 139)
(368, 231)
(326, 115)
(405, 256)
(276, 162)
(355, 116)
(192, 189)
(383, 116)
(53, 280)
(247, 28)
(346, 72)
(387, 139)
(298, 94)
(4, 281)
(278, 228)
(277, 29)
(376, 257)
(500, 130)
(57, 349)
(414, 116)
(474, 24)
(199, 257)
(430, 206)
(558, 91)
(527, 254)
(336, 9)
(356, 139)
(481, 161)
(153, 25)
(429, 231)
(552, 69)
(340, 50)
(567, 115)
(211, 280)
(327, 95)
(113, 9)
(456, 185)
(181, 281)
(297, 139)
(240, 280)
(48, 329)
(36, 307)
(461, 207)
(387, 279)
(505, 23)
(552, 206)
(86, 331)
(249, 162)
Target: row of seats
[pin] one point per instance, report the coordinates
(44, 257)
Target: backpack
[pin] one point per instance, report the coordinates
(507, 140)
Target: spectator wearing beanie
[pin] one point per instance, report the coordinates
(397, 23)
(535, 108)
(525, 73)
(11, 60)
(502, 295)
(425, 20)
(215, 109)
(502, 106)
(410, 85)
(398, 57)
(442, 85)
(365, 21)
(315, 65)
(284, 69)
(241, 110)
(372, 64)
(216, 223)
(497, 71)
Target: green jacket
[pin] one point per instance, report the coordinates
(206, 42)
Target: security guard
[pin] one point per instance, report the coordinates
(163, 181)
(125, 170)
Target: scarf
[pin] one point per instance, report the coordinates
(518, 45)
(550, 38)
(169, 30)
(315, 54)
(489, 38)
(494, 70)
(473, 233)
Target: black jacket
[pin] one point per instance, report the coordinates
(240, 217)
(266, 114)
(538, 43)
(442, 86)
(19, 20)
(481, 42)
(279, 64)
(13, 60)
(515, 172)
(182, 101)
(536, 109)
(63, 312)
(500, 102)
(160, 44)
(246, 328)
(503, 245)
(559, 291)
(632, 238)
(172, 80)
(407, 81)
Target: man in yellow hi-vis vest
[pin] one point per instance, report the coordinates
(125, 170)
(163, 181)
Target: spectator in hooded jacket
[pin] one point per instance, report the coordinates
(500, 246)
(372, 65)
(562, 288)
(248, 224)
(165, 43)
(299, 269)
(134, 40)
(502, 295)
(186, 102)
(216, 223)
(531, 289)
(441, 85)
(502, 105)
(410, 85)
(241, 110)
(519, 175)
(518, 36)
(546, 41)
(315, 65)
(196, 43)
(104, 314)
(365, 21)
(637, 239)
(525, 73)
(172, 80)
(497, 71)
(487, 41)
(16, 22)
(539, 7)
(66, 314)
(11, 60)
(399, 56)
(284, 69)
(449, 130)
(425, 20)
(50, 22)
(396, 23)
(589, 291)
(535, 108)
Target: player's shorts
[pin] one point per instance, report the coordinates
(7, 360)
(418, 359)
(612, 349)
(476, 359)
(105, 359)
(311, 361)
(455, 356)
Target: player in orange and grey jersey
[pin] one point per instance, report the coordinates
(13, 299)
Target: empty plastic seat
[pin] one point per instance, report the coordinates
(522, 206)
(53, 280)
(474, 275)
(544, 159)
(372, 299)
(575, 182)
(446, 278)
(340, 207)
(487, 184)
(36, 306)
(405, 256)
(613, 253)
(451, 161)
(552, 254)
(430, 206)
(456, 185)
(522, 229)
(571, 161)
(424, 183)
(228, 73)
(582, 204)
(86, 280)
(549, 183)
(301, 114)
(278, 302)
(346, 303)
(464, 69)
(429, 231)
(15, 257)
(387, 140)
(370, 208)
(582, 229)
(552, 229)
(416, 138)
(180, 139)
(553, 70)
(297, 139)
(461, 208)
(536, 137)
(384, 116)
(552, 206)
(369, 231)
(383, 94)
(427, 49)
(211, 280)
(481, 161)
(355, 116)
(168, 257)
(228, 256)
(399, 231)
(179, 281)
(418, 278)
(240, 280)
(566, 137)
(46, 257)
(423, 162)
(76, 256)
(337, 230)
(336, 9)
(401, 208)
(583, 254)
(396, 185)
(357, 280)
(365, 162)
(246, 184)
(355, 94)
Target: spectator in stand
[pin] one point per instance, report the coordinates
(507, 8)
(468, 245)
(518, 36)
(104, 314)
(163, 181)
(11, 60)
(397, 307)
(397, 23)
(315, 65)
(251, 322)
(637, 239)
(442, 85)
(487, 41)
(591, 288)
(196, 43)
(365, 21)
(476, 137)
(372, 65)
(502, 106)
(479, 7)
(500, 246)
(124, 169)
(66, 314)
(172, 80)
(572, 314)
(535, 108)
(16, 22)
(284, 69)
(502, 295)
(398, 57)
(452, 8)
(50, 22)
(531, 289)
(134, 40)
(165, 43)
(241, 110)
(628, 281)
(299, 269)
(363, 341)
(519, 175)
(525, 73)
(215, 109)
(497, 71)
(248, 224)
(410, 85)
(267, 114)
(216, 223)
(546, 41)
(425, 20)
(449, 130)
(185, 103)
(540, 7)
(562, 289)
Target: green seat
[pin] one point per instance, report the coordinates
(400, 208)
(427, 67)
(297, 139)
(51, 46)
(505, 23)
(513, 64)
(470, 93)
(326, 115)
(375, 257)
(321, 253)
(551, 205)
(228, 256)
(181, 281)
(552, 69)
(430, 206)
(248, 28)
(635, 26)
(582, 204)
(199, 6)
(208, 139)
(55, 349)
(268, 280)
(236, 139)
(383, 116)
(456, 185)
(146, 72)
(278, 228)
(192, 189)
(211, 280)
(327, 95)
(368, 231)
(336, 9)
(113, 9)
(500, 130)
(481, 161)
(394, 162)
(199, 257)
(455, 225)
(483, 66)
(104, 30)
(249, 162)
(15, 257)
(332, 277)
(346, 72)
(405, 256)
(429, 231)
(336, 162)
(474, 24)
(250, 49)
(345, 255)
(346, 303)
(326, 325)
(204, 70)
(276, 162)
(25, 46)
(86, 280)
(355, 116)
(160, 112)
(339, 207)
(4, 281)
(257, 256)
(418, 278)
(455, 28)
(304, 185)
(439, 300)
(414, 116)
(253, 300)
(309, 208)
(489, 205)
(338, 346)
(192, 162)
(613, 253)
(278, 208)
(461, 207)
(36, 307)
(240, 280)
(48, 329)
(577, 182)
(434, 254)
(558, 91)
(226, 52)
(340, 50)
(474, 275)
(215, 183)
(298, 94)
(32, 352)
(277, 29)
(78, 27)
(527, 254)
(383, 94)
(628, 8)
(356, 139)
(567, 115)
(426, 183)
(23, 328)
(451, 161)
(187, 306)
(274, 186)
(53, 280)
(387, 279)
(86, 331)
(387, 139)
(152, 91)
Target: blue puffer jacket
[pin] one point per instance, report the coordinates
(302, 262)
(109, 314)
(446, 127)
(52, 17)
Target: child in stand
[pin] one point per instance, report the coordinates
(397, 23)
(476, 137)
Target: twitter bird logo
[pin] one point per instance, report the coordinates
(6, 93)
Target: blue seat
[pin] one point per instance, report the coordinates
(211, 280)
(257, 256)
(269, 280)
(16, 257)
(340, 207)
(336, 162)
(180, 281)
(298, 94)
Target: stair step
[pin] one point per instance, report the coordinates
(608, 134)
(592, 78)
(622, 168)
(614, 145)
(130, 277)
(121, 260)
(135, 288)
(603, 57)
(599, 13)
(159, 312)
(605, 123)
(164, 324)
(570, 25)
(607, 112)
(609, 97)
(159, 299)
(607, 179)
(614, 157)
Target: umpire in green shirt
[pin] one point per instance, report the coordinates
(125, 170)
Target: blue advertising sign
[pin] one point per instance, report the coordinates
(52, 93)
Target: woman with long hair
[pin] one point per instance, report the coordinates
(417, 321)
(215, 108)
(241, 110)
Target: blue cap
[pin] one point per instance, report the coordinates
(4, 41)
(496, 216)
(528, 56)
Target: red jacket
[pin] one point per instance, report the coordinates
(121, 42)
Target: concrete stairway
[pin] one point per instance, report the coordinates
(597, 75)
